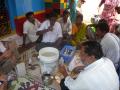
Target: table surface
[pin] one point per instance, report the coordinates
(34, 76)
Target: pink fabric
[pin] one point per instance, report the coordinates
(109, 13)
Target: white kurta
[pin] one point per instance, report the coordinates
(100, 75)
(31, 29)
(53, 35)
(66, 27)
(111, 47)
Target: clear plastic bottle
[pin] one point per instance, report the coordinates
(61, 61)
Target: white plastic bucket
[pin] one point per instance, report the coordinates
(48, 58)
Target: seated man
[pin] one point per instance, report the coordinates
(7, 59)
(65, 24)
(51, 31)
(30, 28)
(109, 41)
(98, 74)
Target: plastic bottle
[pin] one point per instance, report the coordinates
(61, 61)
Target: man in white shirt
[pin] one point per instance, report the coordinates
(30, 27)
(109, 41)
(7, 59)
(65, 23)
(51, 31)
(98, 74)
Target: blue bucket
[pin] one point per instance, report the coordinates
(67, 53)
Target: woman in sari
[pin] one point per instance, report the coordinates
(78, 30)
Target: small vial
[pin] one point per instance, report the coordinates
(61, 61)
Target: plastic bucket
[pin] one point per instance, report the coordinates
(48, 58)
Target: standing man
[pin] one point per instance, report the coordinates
(98, 74)
(30, 28)
(109, 41)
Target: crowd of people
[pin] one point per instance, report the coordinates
(99, 46)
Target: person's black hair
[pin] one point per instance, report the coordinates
(29, 14)
(65, 12)
(103, 26)
(52, 14)
(79, 15)
(102, 21)
(47, 16)
(93, 48)
(117, 8)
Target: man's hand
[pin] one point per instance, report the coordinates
(62, 70)
(50, 28)
(7, 54)
(77, 69)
